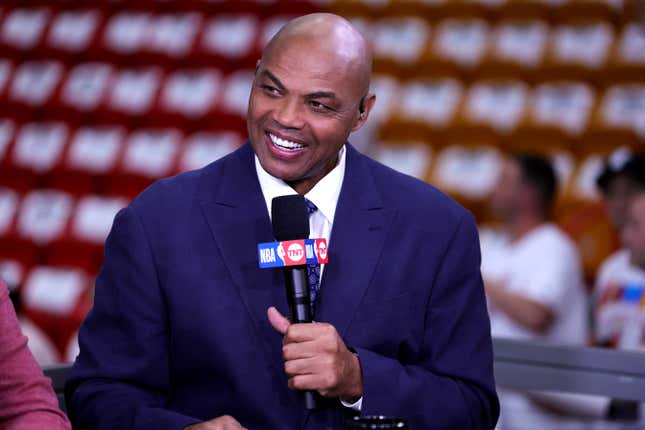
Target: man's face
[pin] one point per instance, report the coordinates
(633, 232)
(508, 190)
(620, 190)
(302, 107)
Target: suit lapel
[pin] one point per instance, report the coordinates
(237, 216)
(360, 227)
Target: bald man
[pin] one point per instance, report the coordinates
(188, 333)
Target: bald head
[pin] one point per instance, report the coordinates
(330, 36)
(310, 92)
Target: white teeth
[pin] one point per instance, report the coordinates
(285, 144)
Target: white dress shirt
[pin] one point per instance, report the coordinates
(324, 195)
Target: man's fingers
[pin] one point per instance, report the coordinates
(303, 366)
(324, 385)
(277, 320)
(307, 332)
(296, 351)
(304, 382)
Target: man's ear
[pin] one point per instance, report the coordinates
(365, 108)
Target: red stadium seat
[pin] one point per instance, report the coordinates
(189, 97)
(149, 154)
(86, 87)
(56, 300)
(202, 148)
(44, 216)
(229, 40)
(22, 29)
(74, 31)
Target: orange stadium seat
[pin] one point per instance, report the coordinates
(491, 109)
(578, 50)
(424, 110)
(459, 47)
(627, 62)
(619, 119)
(398, 44)
(557, 114)
(517, 50)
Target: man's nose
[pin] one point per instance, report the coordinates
(289, 114)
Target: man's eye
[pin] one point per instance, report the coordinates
(319, 106)
(270, 90)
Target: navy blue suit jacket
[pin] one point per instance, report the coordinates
(179, 334)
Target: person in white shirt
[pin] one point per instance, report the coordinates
(620, 286)
(531, 270)
(619, 297)
(533, 280)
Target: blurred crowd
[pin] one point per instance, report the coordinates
(535, 285)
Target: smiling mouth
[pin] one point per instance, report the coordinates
(284, 144)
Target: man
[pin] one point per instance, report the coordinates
(620, 186)
(532, 277)
(619, 296)
(620, 287)
(532, 273)
(187, 332)
(619, 181)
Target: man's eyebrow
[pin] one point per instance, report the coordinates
(321, 95)
(273, 78)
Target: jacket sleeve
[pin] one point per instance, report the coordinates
(121, 378)
(452, 385)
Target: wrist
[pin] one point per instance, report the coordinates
(354, 390)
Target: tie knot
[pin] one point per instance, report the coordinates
(311, 207)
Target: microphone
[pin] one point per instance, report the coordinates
(290, 221)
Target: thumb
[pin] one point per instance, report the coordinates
(277, 320)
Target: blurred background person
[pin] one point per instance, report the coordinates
(619, 181)
(531, 270)
(533, 281)
(27, 401)
(620, 289)
(619, 294)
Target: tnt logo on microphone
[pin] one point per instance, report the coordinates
(295, 252)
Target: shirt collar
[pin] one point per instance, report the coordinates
(324, 194)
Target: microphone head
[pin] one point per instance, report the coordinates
(290, 218)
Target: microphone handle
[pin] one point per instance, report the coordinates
(297, 283)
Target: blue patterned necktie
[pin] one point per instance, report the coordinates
(313, 270)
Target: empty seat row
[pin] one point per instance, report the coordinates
(570, 113)
(615, 11)
(81, 159)
(528, 49)
(137, 35)
(103, 91)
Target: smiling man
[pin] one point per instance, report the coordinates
(187, 331)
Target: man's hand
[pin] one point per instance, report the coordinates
(225, 422)
(316, 358)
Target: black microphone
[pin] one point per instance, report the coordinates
(290, 220)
